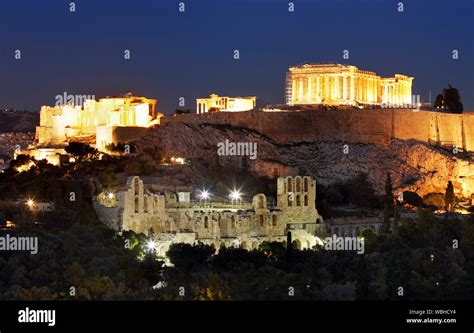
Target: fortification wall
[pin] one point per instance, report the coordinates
(376, 126)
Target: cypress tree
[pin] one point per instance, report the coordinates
(388, 203)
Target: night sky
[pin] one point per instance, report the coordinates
(191, 54)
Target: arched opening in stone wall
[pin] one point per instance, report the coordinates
(206, 222)
(296, 244)
(306, 200)
(136, 204)
(274, 220)
(136, 185)
(298, 184)
(298, 200)
(289, 186)
(232, 221)
(305, 182)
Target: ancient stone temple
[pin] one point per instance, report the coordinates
(225, 104)
(335, 84)
(173, 217)
(97, 119)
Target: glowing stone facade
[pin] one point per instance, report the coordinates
(171, 217)
(61, 123)
(335, 84)
(227, 104)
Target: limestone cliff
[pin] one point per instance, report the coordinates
(413, 165)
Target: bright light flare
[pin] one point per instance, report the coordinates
(205, 195)
(150, 246)
(235, 195)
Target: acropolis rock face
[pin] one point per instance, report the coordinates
(413, 164)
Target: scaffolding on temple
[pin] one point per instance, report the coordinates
(289, 89)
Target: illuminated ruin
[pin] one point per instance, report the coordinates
(335, 84)
(226, 104)
(96, 119)
(171, 218)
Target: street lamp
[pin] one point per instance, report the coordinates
(110, 195)
(235, 195)
(204, 195)
(150, 246)
(30, 203)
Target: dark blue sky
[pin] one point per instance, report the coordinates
(191, 54)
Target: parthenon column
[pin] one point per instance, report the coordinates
(395, 88)
(368, 90)
(327, 89)
(363, 90)
(376, 92)
(293, 91)
(352, 88)
(300, 91)
(336, 87)
(359, 90)
(318, 92)
(372, 92)
(309, 96)
(344, 87)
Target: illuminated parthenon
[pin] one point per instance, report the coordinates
(335, 84)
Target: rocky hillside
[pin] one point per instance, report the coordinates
(413, 165)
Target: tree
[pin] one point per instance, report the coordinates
(22, 161)
(435, 200)
(361, 192)
(449, 198)
(452, 100)
(449, 99)
(81, 151)
(388, 203)
(272, 249)
(289, 248)
(188, 258)
(182, 111)
(362, 282)
(412, 198)
(108, 179)
(120, 148)
(438, 103)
